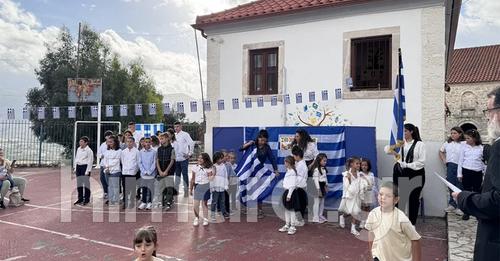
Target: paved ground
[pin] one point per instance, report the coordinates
(461, 237)
(50, 228)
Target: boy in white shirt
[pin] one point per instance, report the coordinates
(302, 175)
(100, 155)
(82, 166)
(391, 234)
(130, 167)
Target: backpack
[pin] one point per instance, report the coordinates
(15, 198)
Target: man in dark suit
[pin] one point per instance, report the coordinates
(485, 206)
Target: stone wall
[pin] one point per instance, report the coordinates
(466, 103)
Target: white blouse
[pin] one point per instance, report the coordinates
(418, 155)
(311, 151)
(471, 158)
(201, 175)
(290, 181)
(112, 161)
(452, 150)
(319, 177)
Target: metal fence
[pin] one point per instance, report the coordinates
(48, 144)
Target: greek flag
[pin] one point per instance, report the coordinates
(109, 111)
(149, 130)
(257, 180)
(398, 110)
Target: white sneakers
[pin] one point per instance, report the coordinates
(142, 206)
(353, 230)
(196, 222)
(148, 206)
(205, 221)
(289, 229)
(341, 221)
(362, 224)
(300, 223)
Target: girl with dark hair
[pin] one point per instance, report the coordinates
(304, 141)
(145, 244)
(290, 198)
(370, 193)
(412, 163)
(470, 164)
(264, 153)
(449, 155)
(199, 187)
(112, 168)
(320, 187)
(352, 193)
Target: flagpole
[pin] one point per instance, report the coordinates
(201, 82)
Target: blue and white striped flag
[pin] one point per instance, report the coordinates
(236, 103)
(71, 112)
(248, 102)
(138, 110)
(398, 110)
(94, 111)
(109, 111)
(26, 113)
(338, 93)
(298, 97)
(220, 105)
(312, 96)
(257, 180)
(287, 99)
(194, 106)
(207, 106)
(180, 107)
(56, 114)
(41, 113)
(274, 100)
(149, 130)
(152, 109)
(123, 110)
(260, 101)
(11, 114)
(166, 108)
(324, 95)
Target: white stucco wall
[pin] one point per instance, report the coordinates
(313, 61)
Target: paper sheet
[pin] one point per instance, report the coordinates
(451, 186)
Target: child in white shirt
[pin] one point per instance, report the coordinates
(302, 175)
(391, 234)
(82, 166)
(290, 197)
(218, 186)
(112, 168)
(199, 187)
(370, 193)
(321, 187)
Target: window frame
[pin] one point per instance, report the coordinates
(264, 71)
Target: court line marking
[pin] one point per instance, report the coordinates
(13, 258)
(68, 236)
(33, 207)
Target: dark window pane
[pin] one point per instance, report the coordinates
(263, 71)
(371, 63)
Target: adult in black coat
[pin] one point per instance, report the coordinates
(485, 206)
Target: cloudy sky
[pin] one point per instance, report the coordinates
(157, 31)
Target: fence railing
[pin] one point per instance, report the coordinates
(48, 144)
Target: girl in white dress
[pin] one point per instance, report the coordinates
(320, 187)
(370, 192)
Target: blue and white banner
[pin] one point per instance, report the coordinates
(11, 115)
(338, 94)
(248, 103)
(274, 100)
(94, 111)
(149, 130)
(138, 110)
(398, 110)
(41, 113)
(208, 106)
(260, 101)
(287, 99)
(123, 110)
(26, 113)
(257, 179)
(236, 104)
(152, 109)
(220, 105)
(312, 96)
(298, 98)
(56, 114)
(180, 107)
(194, 106)
(109, 111)
(166, 108)
(324, 95)
(71, 112)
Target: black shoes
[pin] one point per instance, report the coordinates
(25, 199)
(78, 202)
(2, 206)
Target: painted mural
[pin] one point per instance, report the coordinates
(314, 114)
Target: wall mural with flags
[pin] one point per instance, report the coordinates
(315, 114)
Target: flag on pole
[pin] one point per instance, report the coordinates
(56, 113)
(398, 110)
(26, 113)
(236, 103)
(220, 105)
(11, 114)
(208, 106)
(71, 112)
(138, 110)
(312, 96)
(109, 111)
(123, 110)
(93, 111)
(194, 106)
(298, 98)
(260, 101)
(166, 108)
(152, 109)
(248, 103)
(324, 95)
(180, 107)
(41, 113)
(287, 98)
(274, 100)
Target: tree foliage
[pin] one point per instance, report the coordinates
(122, 84)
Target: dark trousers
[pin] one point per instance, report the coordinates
(451, 176)
(414, 193)
(104, 180)
(472, 180)
(219, 201)
(82, 184)
(181, 167)
(129, 191)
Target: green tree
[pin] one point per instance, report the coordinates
(122, 84)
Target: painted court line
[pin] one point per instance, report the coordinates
(33, 207)
(68, 236)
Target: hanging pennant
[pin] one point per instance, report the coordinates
(312, 96)
(180, 107)
(274, 100)
(248, 103)
(298, 98)
(207, 106)
(324, 95)
(11, 114)
(109, 111)
(194, 106)
(93, 111)
(236, 103)
(71, 112)
(260, 101)
(166, 108)
(56, 114)
(220, 105)
(287, 98)
(338, 94)
(123, 110)
(26, 113)
(41, 113)
(138, 110)
(152, 109)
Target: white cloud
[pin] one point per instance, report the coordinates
(479, 23)
(202, 7)
(130, 29)
(172, 72)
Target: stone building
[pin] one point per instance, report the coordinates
(473, 73)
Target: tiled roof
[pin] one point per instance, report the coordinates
(263, 8)
(477, 64)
